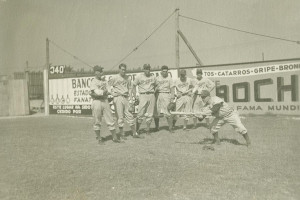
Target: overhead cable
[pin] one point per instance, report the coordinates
(239, 30)
(136, 48)
(67, 52)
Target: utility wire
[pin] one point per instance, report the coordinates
(75, 57)
(234, 29)
(136, 48)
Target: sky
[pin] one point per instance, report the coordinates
(102, 32)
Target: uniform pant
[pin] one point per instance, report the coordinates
(122, 105)
(233, 119)
(146, 108)
(198, 104)
(184, 104)
(161, 106)
(101, 108)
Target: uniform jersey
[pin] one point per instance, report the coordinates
(99, 85)
(164, 84)
(145, 84)
(203, 84)
(183, 86)
(224, 110)
(100, 106)
(120, 85)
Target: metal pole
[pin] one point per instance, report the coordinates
(27, 73)
(46, 80)
(190, 47)
(28, 84)
(177, 40)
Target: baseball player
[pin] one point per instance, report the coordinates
(200, 83)
(100, 106)
(184, 87)
(121, 87)
(224, 114)
(164, 95)
(145, 83)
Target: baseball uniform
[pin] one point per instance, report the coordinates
(100, 105)
(163, 88)
(183, 103)
(146, 87)
(120, 88)
(226, 114)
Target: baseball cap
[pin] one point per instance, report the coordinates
(164, 67)
(147, 67)
(122, 65)
(182, 72)
(205, 93)
(98, 68)
(199, 71)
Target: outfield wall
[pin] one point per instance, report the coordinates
(252, 88)
(14, 99)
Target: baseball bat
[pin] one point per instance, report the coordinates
(188, 113)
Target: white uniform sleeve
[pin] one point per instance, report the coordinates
(210, 85)
(93, 85)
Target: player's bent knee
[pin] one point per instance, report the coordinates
(243, 132)
(140, 120)
(214, 130)
(96, 128)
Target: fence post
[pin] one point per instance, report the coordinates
(46, 80)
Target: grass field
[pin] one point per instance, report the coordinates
(58, 157)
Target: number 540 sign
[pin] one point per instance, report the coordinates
(58, 69)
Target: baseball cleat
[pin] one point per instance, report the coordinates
(123, 137)
(101, 141)
(185, 128)
(156, 130)
(136, 135)
(115, 140)
(246, 137)
(216, 139)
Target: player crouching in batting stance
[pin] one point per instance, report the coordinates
(121, 88)
(146, 84)
(223, 114)
(100, 106)
(164, 95)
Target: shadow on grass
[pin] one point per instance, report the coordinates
(153, 130)
(231, 141)
(206, 141)
(107, 138)
(190, 126)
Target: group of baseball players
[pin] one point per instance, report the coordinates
(154, 94)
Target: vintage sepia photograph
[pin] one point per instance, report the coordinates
(149, 99)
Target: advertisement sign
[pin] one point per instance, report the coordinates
(272, 89)
(71, 95)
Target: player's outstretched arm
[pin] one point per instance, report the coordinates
(215, 108)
